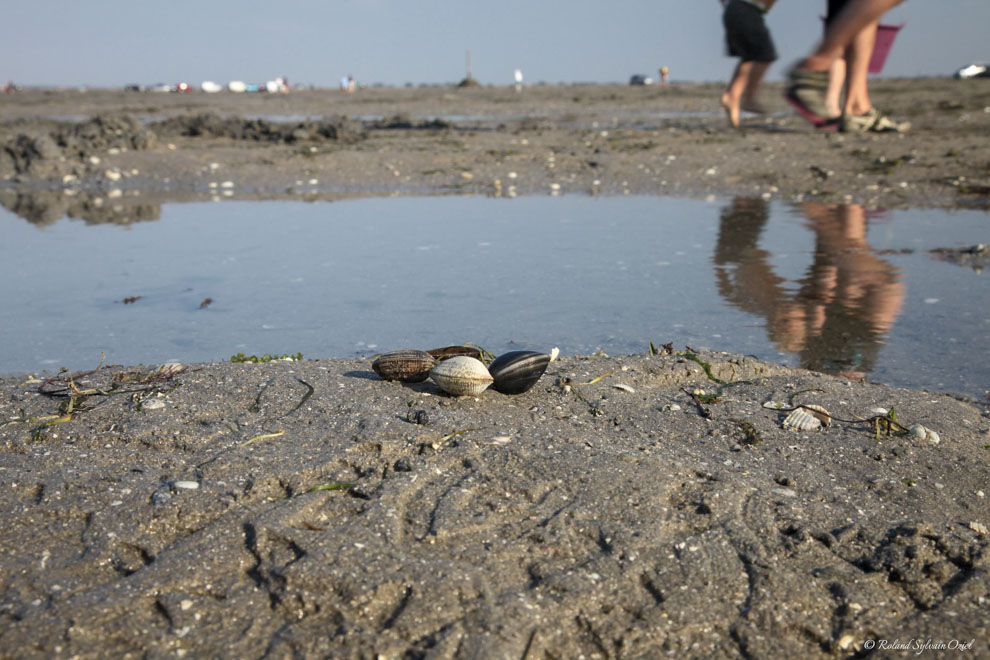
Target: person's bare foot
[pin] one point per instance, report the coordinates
(731, 110)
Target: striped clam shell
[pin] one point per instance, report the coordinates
(461, 376)
(518, 371)
(807, 418)
(408, 365)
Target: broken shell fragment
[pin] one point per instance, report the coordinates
(170, 369)
(807, 418)
(407, 365)
(924, 433)
(518, 371)
(461, 376)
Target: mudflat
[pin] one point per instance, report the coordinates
(631, 506)
(561, 139)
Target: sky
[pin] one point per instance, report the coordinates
(109, 43)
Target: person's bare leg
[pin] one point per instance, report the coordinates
(846, 27)
(751, 92)
(836, 82)
(732, 96)
(857, 69)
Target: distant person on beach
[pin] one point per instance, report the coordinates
(746, 37)
(664, 71)
(849, 34)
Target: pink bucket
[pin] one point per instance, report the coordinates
(881, 48)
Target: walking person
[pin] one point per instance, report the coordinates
(746, 37)
(850, 35)
(856, 114)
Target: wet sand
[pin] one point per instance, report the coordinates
(580, 139)
(310, 509)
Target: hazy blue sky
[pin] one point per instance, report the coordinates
(114, 42)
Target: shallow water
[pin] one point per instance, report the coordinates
(832, 288)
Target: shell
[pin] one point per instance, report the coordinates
(451, 351)
(461, 376)
(924, 433)
(807, 418)
(408, 365)
(170, 369)
(518, 371)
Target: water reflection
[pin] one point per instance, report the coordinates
(835, 317)
(44, 208)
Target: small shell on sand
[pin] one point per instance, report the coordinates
(807, 418)
(170, 369)
(924, 433)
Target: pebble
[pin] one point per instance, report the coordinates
(419, 417)
(153, 404)
(186, 485)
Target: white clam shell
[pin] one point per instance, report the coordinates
(807, 418)
(461, 376)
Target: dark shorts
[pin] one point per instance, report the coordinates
(834, 7)
(746, 33)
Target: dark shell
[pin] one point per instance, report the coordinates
(408, 365)
(452, 351)
(518, 371)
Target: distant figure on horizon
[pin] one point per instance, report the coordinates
(663, 76)
(347, 84)
(519, 80)
(808, 84)
(746, 37)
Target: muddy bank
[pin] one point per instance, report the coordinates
(308, 508)
(585, 139)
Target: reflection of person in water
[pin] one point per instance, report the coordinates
(837, 317)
